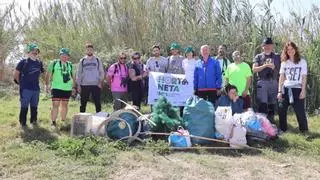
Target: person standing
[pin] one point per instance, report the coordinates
(207, 76)
(222, 58)
(175, 60)
(239, 74)
(117, 77)
(27, 75)
(137, 76)
(189, 63)
(292, 86)
(175, 64)
(90, 76)
(157, 63)
(61, 74)
(267, 65)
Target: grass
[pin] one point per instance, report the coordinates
(44, 153)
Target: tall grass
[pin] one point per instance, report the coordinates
(113, 25)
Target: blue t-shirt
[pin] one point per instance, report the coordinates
(30, 71)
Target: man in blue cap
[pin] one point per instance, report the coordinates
(27, 75)
(266, 65)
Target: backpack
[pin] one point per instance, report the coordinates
(68, 64)
(82, 60)
(126, 80)
(117, 67)
(24, 68)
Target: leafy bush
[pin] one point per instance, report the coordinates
(78, 147)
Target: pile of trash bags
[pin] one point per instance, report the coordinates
(238, 128)
(200, 119)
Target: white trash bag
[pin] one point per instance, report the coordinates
(223, 121)
(238, 137)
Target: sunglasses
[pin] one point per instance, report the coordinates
(136, 58)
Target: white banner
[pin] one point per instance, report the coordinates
(172, 86)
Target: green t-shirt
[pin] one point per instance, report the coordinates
(57, 76)
(237, 75)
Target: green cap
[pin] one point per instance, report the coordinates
(32, 46)
(64, 51)
(188, 49)
(174, 45)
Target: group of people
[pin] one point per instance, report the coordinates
(279, 79)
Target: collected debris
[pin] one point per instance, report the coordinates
(165, 117)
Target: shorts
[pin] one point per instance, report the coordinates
(267, 91)
(60, 95)
(246, 102)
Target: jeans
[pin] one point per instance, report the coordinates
(28, 97)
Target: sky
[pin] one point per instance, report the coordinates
(283, 7)
(279, 7)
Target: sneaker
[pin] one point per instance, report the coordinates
(34, 124)
(280, 132)
(24, 127)
(53, 123)
(65, 123)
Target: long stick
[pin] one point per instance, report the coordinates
(202, 147)
(134, 109)
(196, 147)
(202, 138)
(192, 136)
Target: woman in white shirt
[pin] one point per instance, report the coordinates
(292, 86)
(189, 64)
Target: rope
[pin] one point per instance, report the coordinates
(108, 120)
(115, 116)
(131, 138)
(134, 109)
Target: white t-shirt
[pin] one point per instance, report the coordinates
(223, 67)
(293, 72)
(189, 67)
